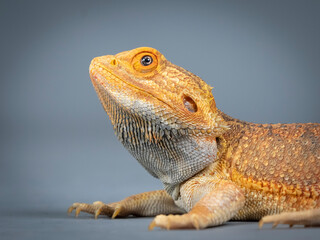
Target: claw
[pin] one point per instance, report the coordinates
(97, 213)
(70, 209)
(152, 225)
(78, 210)
(116, 212)
(261, 223)
(275, 224)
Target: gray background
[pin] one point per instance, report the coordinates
(57, 145)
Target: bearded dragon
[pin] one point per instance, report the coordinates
(214, 168)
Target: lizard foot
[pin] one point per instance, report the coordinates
(97, 208)
(185, 221)
(308, 218)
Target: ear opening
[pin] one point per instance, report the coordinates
(189, 104)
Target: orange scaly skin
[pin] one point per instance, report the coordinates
(214, 168)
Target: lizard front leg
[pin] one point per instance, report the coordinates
(143, 204)
(220, 201)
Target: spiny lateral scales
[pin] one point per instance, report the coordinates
(214, 168)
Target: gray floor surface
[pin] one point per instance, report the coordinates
(56, 224)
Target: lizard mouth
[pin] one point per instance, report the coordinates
(101, 74)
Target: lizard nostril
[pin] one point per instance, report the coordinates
(114, 62)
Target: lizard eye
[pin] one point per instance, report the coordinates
(146, 60)
(189, 104)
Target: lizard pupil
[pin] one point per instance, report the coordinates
(146, 60)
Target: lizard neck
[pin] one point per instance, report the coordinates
(236, 127)
(167, 152)
(232, 121)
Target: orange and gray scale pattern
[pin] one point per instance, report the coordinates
(277, 166)
(167, 153)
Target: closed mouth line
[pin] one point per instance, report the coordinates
(129, 84)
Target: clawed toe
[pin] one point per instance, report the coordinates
(94, 208)
(97, 213)
(75, 206)
(270, 219)
(186, 221)
(306, 218)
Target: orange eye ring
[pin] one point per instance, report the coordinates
(145, 62)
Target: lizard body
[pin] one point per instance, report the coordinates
(214, 168)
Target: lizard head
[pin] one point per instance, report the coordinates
(160, 112)
(144, 75)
